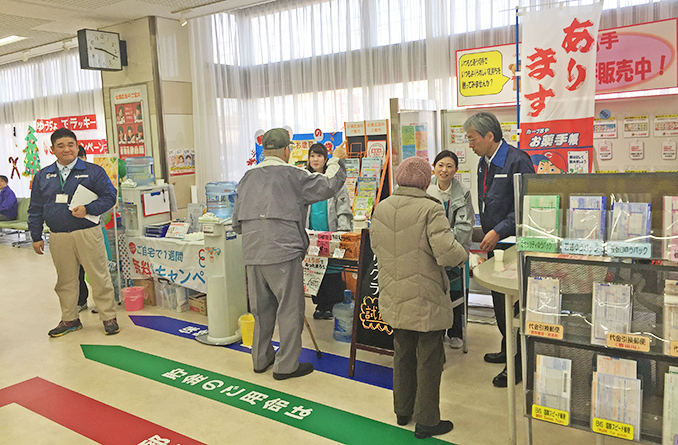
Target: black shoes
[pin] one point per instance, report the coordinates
(501, 380)
(495, 357)
(111, 326)
(443, 427)
(265, 368)
(403, 420)
(302, 370)
(322, 315)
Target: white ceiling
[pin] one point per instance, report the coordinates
(50, 21)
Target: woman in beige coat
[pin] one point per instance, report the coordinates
(412, 240)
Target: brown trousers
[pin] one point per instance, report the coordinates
(418, 361)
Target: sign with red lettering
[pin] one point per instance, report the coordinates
(73, 123)
(558, 82)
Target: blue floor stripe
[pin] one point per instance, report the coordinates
(376, 375)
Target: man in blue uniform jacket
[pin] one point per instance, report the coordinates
(498, 163)
(74, 239)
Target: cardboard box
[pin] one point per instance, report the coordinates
(198, 303)
(149, 290)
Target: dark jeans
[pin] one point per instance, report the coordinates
(84, 293)
(418, 361)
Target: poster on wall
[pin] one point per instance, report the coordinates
(129, 107)
(181, 162)
(605, 128)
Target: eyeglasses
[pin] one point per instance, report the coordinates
(473, 139)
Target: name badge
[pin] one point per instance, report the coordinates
(62, 198)
(501, 175)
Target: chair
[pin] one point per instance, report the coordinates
(20, 224)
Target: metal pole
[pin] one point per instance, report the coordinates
(517, 77)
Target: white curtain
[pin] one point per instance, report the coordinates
(44, 87)
(317, 64)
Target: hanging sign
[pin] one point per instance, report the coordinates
(558, 82)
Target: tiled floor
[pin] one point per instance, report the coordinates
(30, 308)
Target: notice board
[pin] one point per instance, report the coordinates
(370, 332)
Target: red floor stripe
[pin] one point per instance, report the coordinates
(86, 416)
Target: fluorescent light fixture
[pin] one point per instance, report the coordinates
(11, 39)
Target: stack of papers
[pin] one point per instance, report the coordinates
(670, 226)
(543, 300)
(587, 218)
(630, 221)
(670, 418)
(552, 382)
(540, 215)
(611, 311)
(616, 392)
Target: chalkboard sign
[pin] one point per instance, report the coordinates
(371, 330)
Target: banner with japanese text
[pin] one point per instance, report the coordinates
(180, 262)
(637, 57)
(85, 128)
(628, 58)
(558, 81)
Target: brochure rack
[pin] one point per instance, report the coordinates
(599, 329)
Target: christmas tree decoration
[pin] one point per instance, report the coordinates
(32, 160)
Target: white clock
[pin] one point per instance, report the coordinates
(101, 50)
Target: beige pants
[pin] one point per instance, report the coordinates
(69, 251)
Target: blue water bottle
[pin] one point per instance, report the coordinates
(343, 318)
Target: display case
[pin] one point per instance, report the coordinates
(599, 298)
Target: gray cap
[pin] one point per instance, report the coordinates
(275, 139)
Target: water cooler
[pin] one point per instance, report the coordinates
(226, 289)
(145, 205)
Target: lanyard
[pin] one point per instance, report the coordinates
(62, 181)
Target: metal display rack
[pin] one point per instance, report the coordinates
(576, 275)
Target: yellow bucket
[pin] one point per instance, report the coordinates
(246, 323)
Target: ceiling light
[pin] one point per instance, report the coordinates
(24, 57)
(11, 39)
(183, 20)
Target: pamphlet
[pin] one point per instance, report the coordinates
(82, 197)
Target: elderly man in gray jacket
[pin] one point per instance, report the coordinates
(270, 211)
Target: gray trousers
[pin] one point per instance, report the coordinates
(418, 361)
(277, 291)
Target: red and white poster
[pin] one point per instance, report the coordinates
(558, 82)
(130, 114)
(130, 134)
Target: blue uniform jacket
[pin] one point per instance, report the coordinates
(46, 186)
(495, 188)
